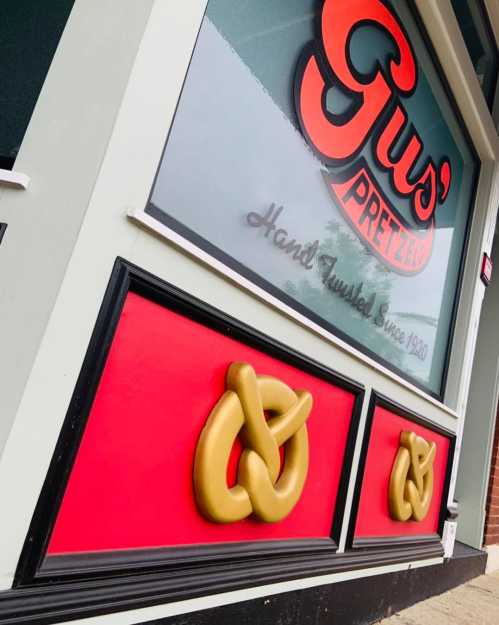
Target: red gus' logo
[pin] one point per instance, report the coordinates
(376, 113)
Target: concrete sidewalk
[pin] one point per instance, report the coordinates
(474, 603)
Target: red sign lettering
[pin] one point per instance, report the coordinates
(376, 113)
(372, 216)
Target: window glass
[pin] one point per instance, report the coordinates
(480, 41)
(316, 154)
(29, 33)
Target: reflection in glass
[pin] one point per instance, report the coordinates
(239, 180)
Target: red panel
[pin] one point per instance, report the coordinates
(131, 484)
(373, 517)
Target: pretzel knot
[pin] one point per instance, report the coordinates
(411, 481)
(262, 488)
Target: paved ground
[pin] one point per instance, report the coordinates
(474, 603)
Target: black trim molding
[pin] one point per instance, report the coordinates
(63, 601)
(352, 602)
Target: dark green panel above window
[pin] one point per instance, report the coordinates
(480, 41)
(29, 33)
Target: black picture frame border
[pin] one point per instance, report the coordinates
(34, 568)
(379, 400)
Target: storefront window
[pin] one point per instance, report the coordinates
(480, 41)
(316, 154)
(29, 33)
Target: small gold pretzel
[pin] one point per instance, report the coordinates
(411, 481)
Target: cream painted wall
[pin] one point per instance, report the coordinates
(62, 153)
(474, 466)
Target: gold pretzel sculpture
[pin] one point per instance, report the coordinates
(262, 489)
(411, 481)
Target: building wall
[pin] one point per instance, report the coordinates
(491, 530)
(478, 432)
(62, 153)
(100, 167)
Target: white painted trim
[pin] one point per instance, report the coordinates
(214, 601)
(354, 471)
(153, 224)
(443, 29)
(14, 179)
(471, 300)
(492, 559)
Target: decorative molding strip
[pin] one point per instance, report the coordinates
(56, 602)
(14, 179)
(399, 542)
